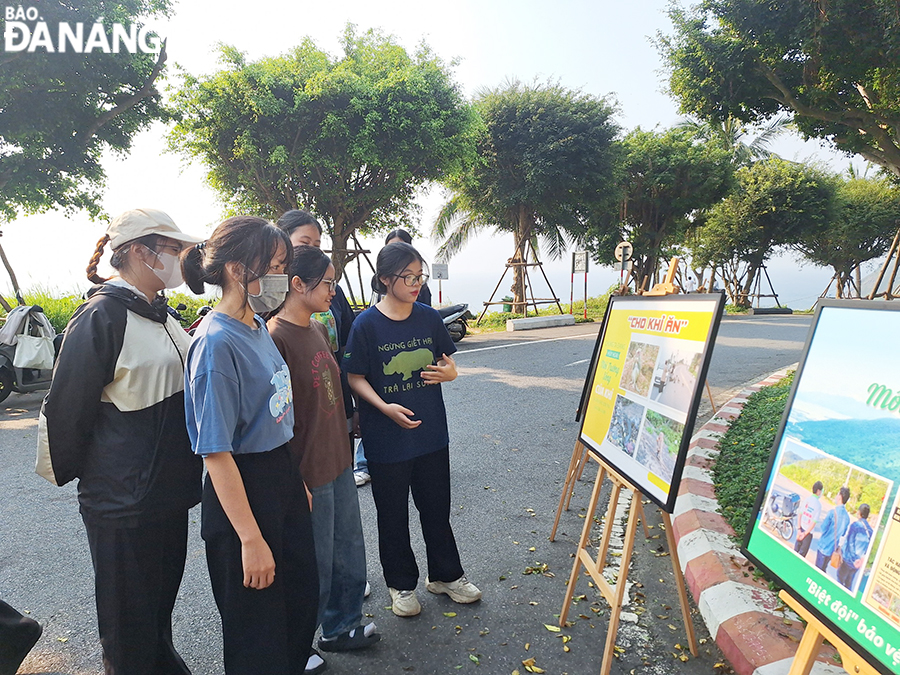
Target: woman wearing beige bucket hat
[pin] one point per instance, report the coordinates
(114, 419)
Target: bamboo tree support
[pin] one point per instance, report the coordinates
(811, 642)
(615, 594)
(891, 251)
(524, 264)
(355, 254)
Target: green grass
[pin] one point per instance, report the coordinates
(59, 307)
(496, 321)
(744, 454)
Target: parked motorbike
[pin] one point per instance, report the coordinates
(203, 311)
(23, 379)
(455, 319)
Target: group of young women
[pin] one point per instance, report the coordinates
(135, 403)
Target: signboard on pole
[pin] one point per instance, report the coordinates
(440, 271)
(644, 387)
(579, 262)
(827, 518)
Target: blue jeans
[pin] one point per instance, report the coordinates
(340, 554)
(362, 464)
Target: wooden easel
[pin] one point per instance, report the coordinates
(811, 641)
(615, 594)
(580, 456)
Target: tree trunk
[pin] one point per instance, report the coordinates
(340, 235)
(744, 299)
(524, 229)
(12, 277)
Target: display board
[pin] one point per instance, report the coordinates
(832, 481)
(644, 386)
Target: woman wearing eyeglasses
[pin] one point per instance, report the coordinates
(397, 356)
(321, 447)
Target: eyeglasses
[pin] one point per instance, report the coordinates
(174, 248)
(413, 279)
(331, 283)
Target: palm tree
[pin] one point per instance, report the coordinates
(746, 145)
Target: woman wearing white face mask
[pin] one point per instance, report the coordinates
(114, 419)
(240, 414)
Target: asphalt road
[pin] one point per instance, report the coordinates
(512, 432)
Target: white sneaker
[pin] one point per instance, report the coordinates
(368, 590)
(462, 590)
(404, 603)
(361, 478)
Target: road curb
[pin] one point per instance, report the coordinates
(746, 619)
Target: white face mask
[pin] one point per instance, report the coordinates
(170, 274)
(273, 289)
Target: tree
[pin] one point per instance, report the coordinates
(867, 215)
(774, 204)
(61, 111)
(834, 65)
(744, 146)
(348, 138)
(544, 172)
(668, 179)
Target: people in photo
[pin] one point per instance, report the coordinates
(854, 549)
(810, 511)
(834, 526)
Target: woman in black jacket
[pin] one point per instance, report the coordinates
(114, 418)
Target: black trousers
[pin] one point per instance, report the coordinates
(428, 477)
(17, 636)
(270, 630)
(137, 572)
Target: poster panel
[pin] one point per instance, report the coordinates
(827, 518)
(645, 384)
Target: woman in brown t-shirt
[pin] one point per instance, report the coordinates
(322, 448)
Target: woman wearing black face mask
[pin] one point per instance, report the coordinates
(114, 419)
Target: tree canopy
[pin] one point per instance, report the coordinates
(866, 216)
(544, 172)
(61, 111)
(774, 204)
(667, 179)
(834, 65)
(349, 138)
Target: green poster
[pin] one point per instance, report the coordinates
(827, 519)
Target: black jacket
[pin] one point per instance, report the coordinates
(114, 415)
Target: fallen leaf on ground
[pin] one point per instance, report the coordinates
(449, 615)
(552, 629)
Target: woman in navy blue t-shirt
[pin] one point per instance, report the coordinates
(397, 356)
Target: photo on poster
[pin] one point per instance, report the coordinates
(637, 372)
(675, 375)
(658, 445)
(625, 425)
(818, 504)
(883, 593)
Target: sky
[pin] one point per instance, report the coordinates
(602, 47)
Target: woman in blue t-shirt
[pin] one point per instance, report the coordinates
(240, 417)
(397, 356)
